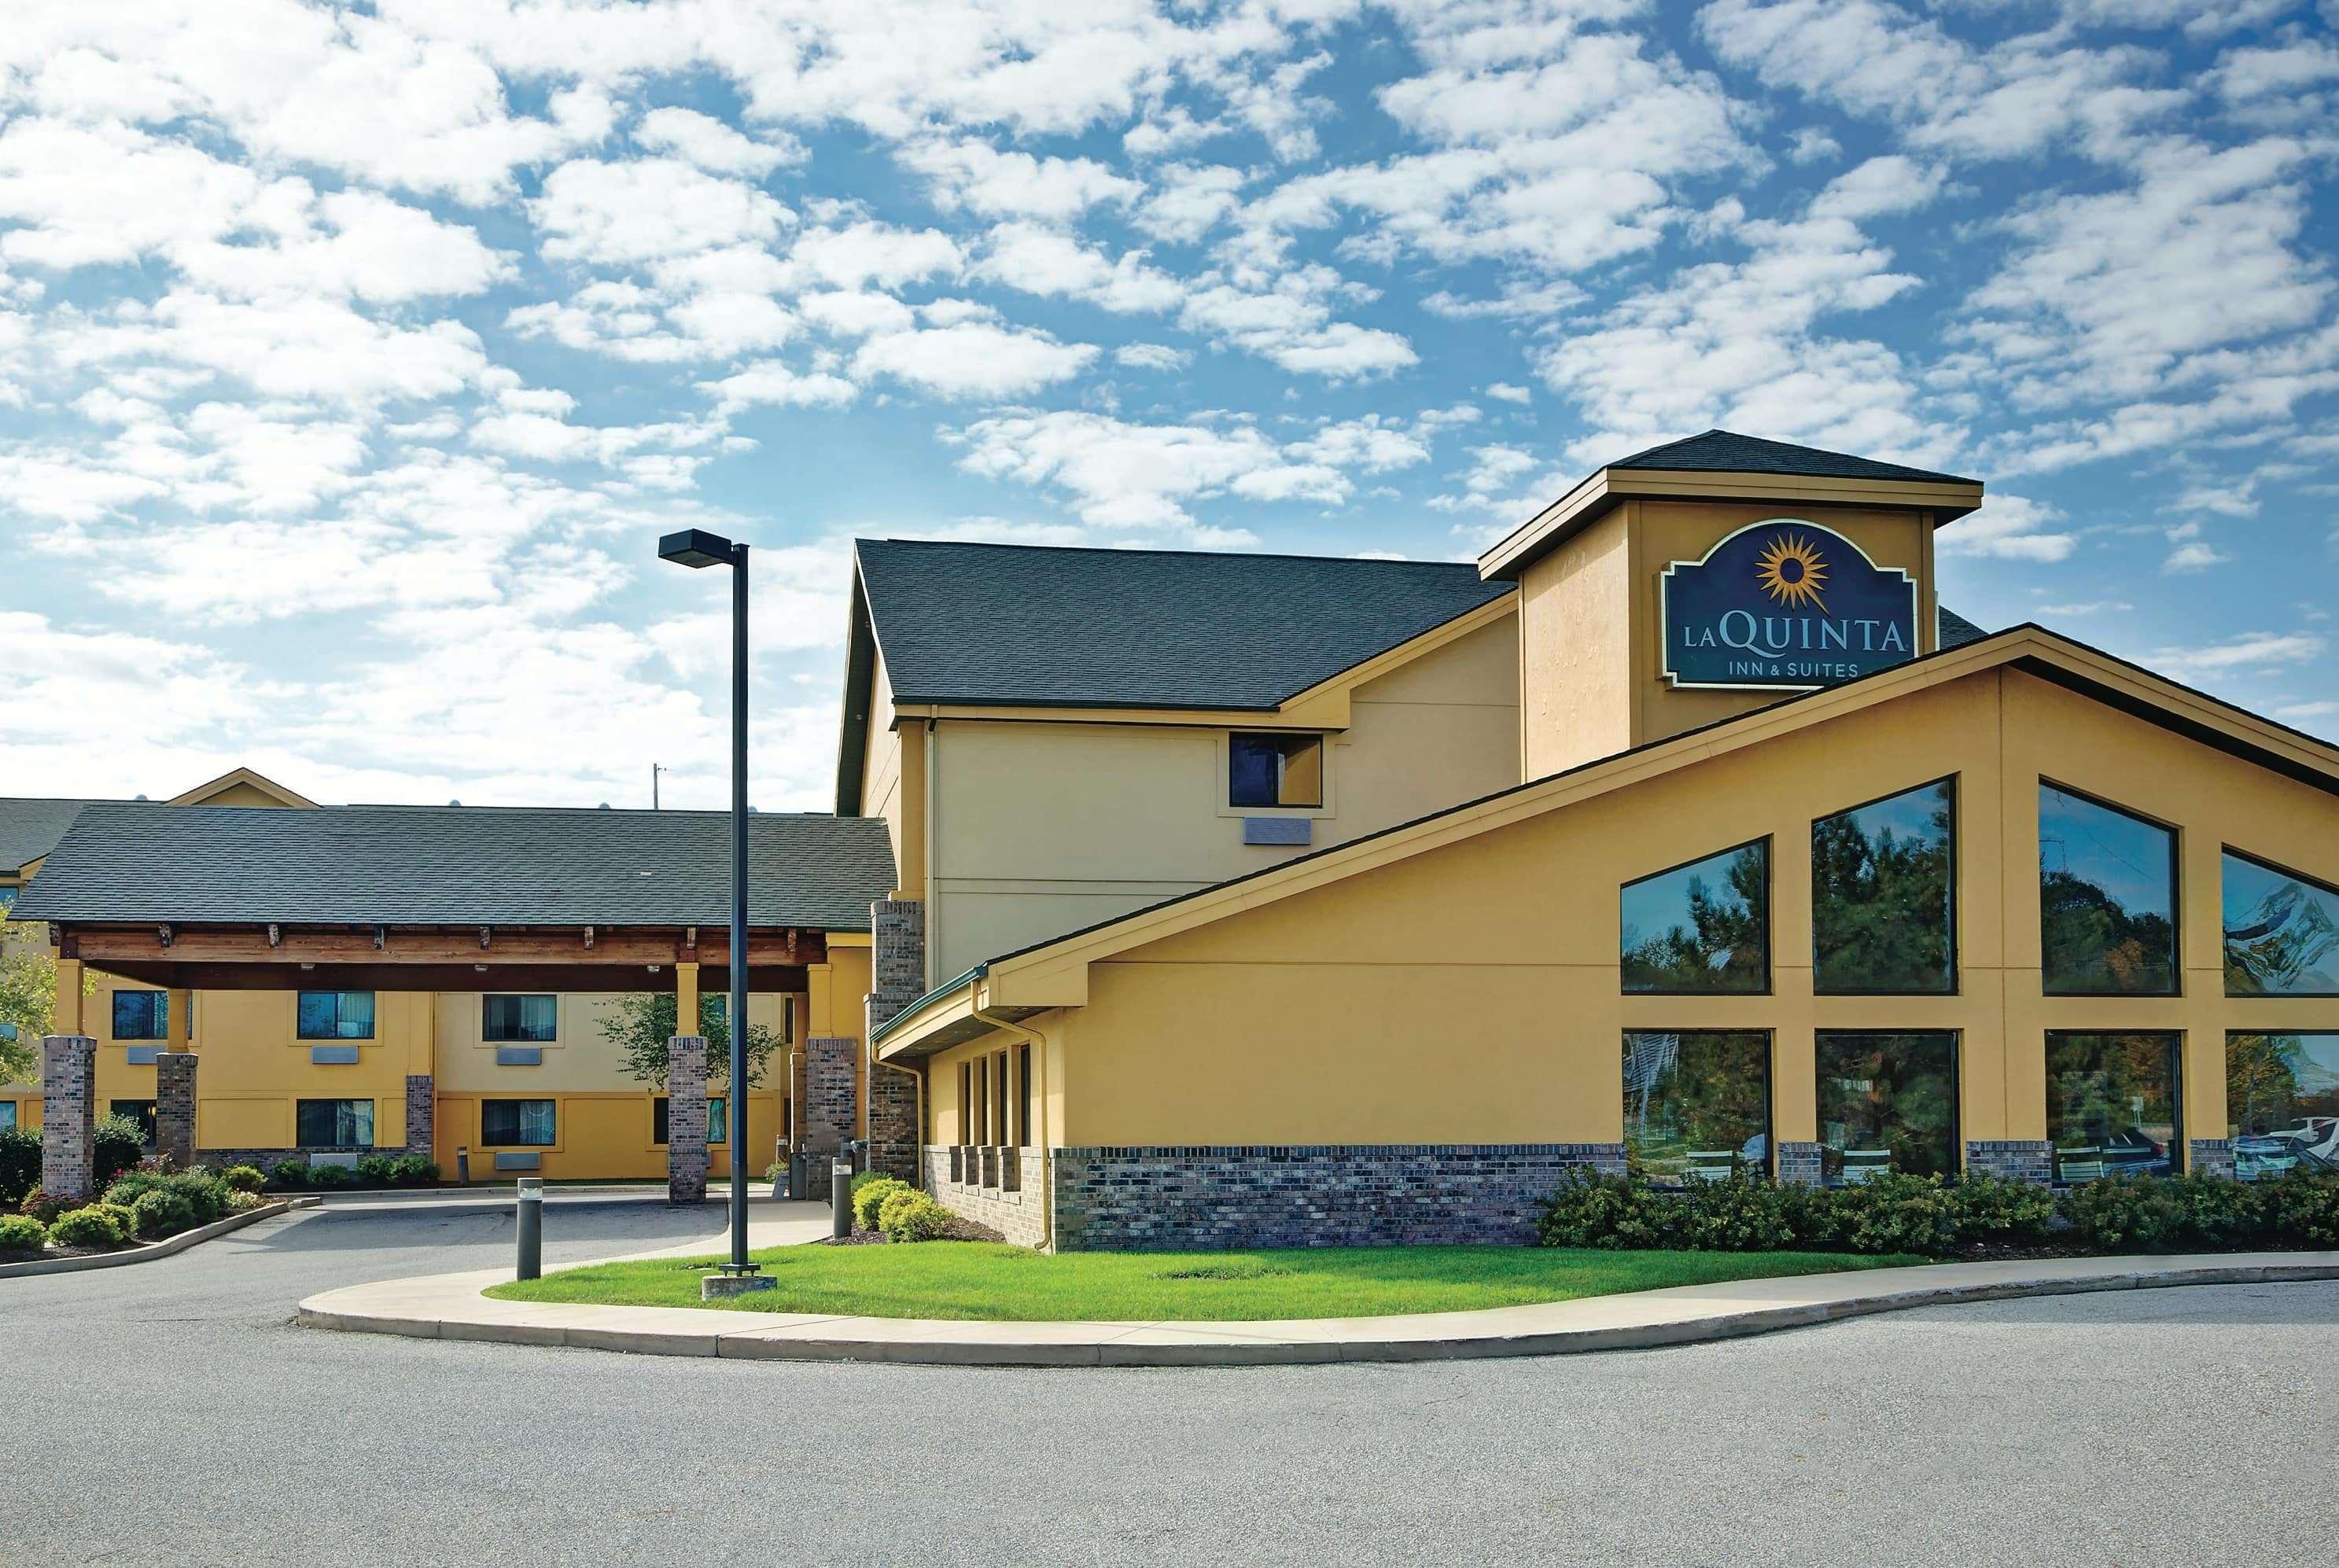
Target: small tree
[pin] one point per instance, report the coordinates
(642, 1023)
(28, 998)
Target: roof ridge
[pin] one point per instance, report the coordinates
(1156, 551)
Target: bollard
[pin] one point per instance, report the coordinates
(840, 1193)
(462, 1167)
(531, 1227)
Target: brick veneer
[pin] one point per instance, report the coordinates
(1800, 1165)
(897, 974)
(421, 1114)
(68, 1114)
(685, 1119)
(1000, 1188)
(894, 1123)
(2213, 1157)
(2016, 1159)
(1325, 1195)
(174, 1106)
(828, 1107)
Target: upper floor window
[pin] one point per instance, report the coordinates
(1881, 881)
(2106, 899)
(1700, 927)
(141, 1014)
(505, 1018)
(336, 1015)
(2282, 932)
(1269, 770)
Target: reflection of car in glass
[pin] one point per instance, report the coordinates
(2128, 1153)
(2313, 1143)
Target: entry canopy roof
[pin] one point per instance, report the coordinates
(455, 865)
(1722, 465)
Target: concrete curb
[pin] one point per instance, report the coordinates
(452, 1306)
(167, 1247)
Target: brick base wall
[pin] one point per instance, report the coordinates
(68, 1114)
(422, 1113)
(894, 1124)
(174, 1106)
(1800, 1165)
(685, 1119)
(1000, 1188)
(2016, 1159)
(2213, 1157)
(220, 1158)
(829, 1105)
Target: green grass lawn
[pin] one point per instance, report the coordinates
(986, 1280)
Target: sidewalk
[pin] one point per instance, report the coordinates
(451, 1306)
(482, 1195)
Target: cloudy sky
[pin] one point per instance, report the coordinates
(353, 359)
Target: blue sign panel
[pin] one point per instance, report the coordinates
(1785, 604)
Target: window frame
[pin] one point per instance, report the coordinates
(1770, 1037)
(1769, 908)
(487, 1100)
(9, 1116)
(1957, 1038)
(489, 1037)
(158, 1008)
(2176, 897)
(1224, 780)
(373, 1018)
(371, 1118)
(2259, 861)
(1957, 904)
(2180, 1143)
(2235, 1133)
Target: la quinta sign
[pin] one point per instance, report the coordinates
(1784, 603)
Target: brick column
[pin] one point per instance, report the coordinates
(69, 1113)
(422, 1113)
(685, 1119)
(828, 1106)
(894, 1124)
(174, 1106)
(897, 970)
(1799, 1164)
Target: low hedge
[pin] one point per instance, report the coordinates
(243, 1177)
(869, 1192)
(373, 1170)
(99, 1225)
(1933, 1217)
(22, 1233)
(910, 1215)
(117, 1144)
(20, 1164)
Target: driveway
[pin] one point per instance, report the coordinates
(170, 1413)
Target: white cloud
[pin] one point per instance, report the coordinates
(1892, 183)
(712, 145)
(770, 381)
(1290, 323)
(1122, 475)
(647, 210)
(865, 253)
(973, 175)
(1505, 392)
(1039, 260)
(973, 360)
(1150, 357)
(2010, 528)
(2194, 556)
(2252, 650)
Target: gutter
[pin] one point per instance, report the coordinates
(947, 987)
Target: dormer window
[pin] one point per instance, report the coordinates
(1275, 770)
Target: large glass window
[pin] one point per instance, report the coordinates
(1264, 770)
(334, 1123)
(1697, 1104)
(718, 1120)
(1881, 881)
(336, 1015)
(1887, 1102)
(1700, 927)
(141, 1111)
(2112, 1104)
(7, 1113)
(2282, 932)
(2282, 1102)
(518, 1123)
(141, 1014)
(504, 1017)
(2106, 900)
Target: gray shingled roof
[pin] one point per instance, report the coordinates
(1728, 451)
(1955, 630)
(1019, 624)
(30, 825)
(457, 865)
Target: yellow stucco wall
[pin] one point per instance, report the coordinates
(1038, 829)
(1471, 994)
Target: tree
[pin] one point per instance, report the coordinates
(28, 998)
(642, 1023)
(1719, 946)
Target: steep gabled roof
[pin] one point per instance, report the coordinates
(455, 865)
(1020, 625)
(30, 825)
(1727, 451)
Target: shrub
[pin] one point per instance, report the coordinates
(243, 1177)
(1742, 1212)
(2300, 1210)
(22, 1233)
(132, 1185)
(1615, 1212)
(414, 1170)
(161, 1212)
(867, 1179)
(94, 1226)
(869, 1199)
(330, 1176)
(20, 1164)
(122, 1218)
(44, 1206)
(239, 1200)
(290, 1173)
(1893, 1213)
(205, 1194)
(910, 1215)
(2220, 1211)
(376, 1169)
(1984, 1208)
(117, 1146)
(2129, 1213)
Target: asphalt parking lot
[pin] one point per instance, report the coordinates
(171, 1413)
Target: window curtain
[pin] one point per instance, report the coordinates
(538, 1017)
(535, 1121)
(353, 1120)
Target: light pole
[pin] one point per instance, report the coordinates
(698, 548)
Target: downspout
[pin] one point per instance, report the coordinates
(1047, 1168)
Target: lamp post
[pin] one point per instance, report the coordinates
(697, 548)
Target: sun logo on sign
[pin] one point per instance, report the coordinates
(1791, 571)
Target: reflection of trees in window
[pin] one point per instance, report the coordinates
(2282, 933)
(1880, 896)
(2113, 1095)
(1699, 1100)
(2282, 1102)
(2106, 900)
(1701, 927)
(1891, 1095)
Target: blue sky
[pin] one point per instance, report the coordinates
(351, 359)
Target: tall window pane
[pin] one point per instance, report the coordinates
(1697, 1104)
(2282, 933)
(517, 1123)
(2106, 900)
(1701, 927)
(141, 1015)
(522, 1018)
(1887, 1102)
(2112, 1104)
(335, 1015)
(2282, 1102)
(1880, 896)
(334, 1123)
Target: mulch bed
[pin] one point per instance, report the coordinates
(962, 1229)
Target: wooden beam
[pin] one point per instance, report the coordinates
(110, 946)
(452, 978)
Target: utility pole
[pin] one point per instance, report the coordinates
(654, 795)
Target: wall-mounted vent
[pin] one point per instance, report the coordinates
(1278, 830)
(520, 1162)
(333, 1055)
(519, 1056)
